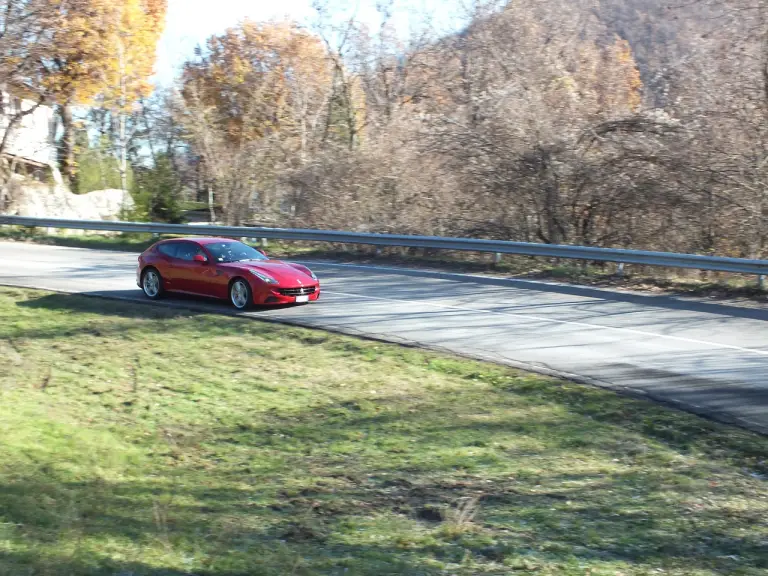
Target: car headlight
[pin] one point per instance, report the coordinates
(263, 277)
(312, 274)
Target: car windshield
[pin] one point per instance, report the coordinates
(233, 252)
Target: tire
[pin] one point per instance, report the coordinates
(240, 295)
(152, 284)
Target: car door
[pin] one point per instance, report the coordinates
(190, 274)
(205, 277)
(214, 279)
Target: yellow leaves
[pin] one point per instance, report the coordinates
(624, 52)
(261, 78)
(567, 83)
(102, 47)
(608, 79)
(631, 85)
(135, 38)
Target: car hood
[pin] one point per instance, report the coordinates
(285, 273)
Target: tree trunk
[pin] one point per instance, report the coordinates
(67, 162)
(551, 211)
(552, 199)
(123, 151)
(5, 179)
(211, 207)
(122, 135)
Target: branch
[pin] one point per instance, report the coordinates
(14, 121)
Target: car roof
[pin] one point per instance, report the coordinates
(201, 240)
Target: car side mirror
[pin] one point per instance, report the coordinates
(262, 252)
(200, 258)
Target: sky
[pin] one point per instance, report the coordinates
(191, 22)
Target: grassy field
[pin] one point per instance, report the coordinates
(137, 440)
(681, 282)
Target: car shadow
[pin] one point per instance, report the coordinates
(175, 304)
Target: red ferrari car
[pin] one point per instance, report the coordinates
(226, 269)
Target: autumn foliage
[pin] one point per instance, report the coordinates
(620, 123)
(78, 52)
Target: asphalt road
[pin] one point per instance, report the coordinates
(707, 358)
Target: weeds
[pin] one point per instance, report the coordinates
(460, 519)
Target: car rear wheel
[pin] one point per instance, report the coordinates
(152, 284)
(240, 294)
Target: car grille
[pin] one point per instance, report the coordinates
(303, 291)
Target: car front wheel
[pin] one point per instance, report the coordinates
(152, 284)
(240, 294)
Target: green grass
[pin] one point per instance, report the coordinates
(148, 441)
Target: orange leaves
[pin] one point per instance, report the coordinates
(628, 89)
(99, 45)
(261, 78)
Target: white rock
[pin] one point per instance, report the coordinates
(40, 200)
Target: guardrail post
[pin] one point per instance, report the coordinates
(497, 258)
(761, 282)
(620, 270)
(264, 243)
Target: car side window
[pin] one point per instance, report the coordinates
(168, 249)
(187, 251)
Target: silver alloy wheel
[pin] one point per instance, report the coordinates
(151, 283)
(239, 294)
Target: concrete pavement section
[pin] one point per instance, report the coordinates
(707, 358)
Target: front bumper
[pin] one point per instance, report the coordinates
(276, 296)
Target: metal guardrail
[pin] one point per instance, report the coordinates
(664, 259)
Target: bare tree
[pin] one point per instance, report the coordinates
(553, 121)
